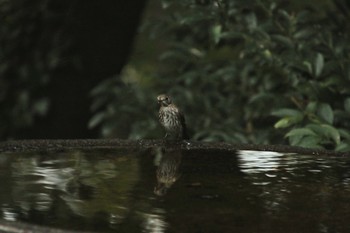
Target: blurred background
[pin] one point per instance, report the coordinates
(262, 72)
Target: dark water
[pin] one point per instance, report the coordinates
(176, 191)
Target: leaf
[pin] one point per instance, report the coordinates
(343, 147)
(308, 66)
(311, 107)
(319, 63)
(251, 20)
(191, 20)
(290, 117)
(316, 128)
(326, 113)
(196, 52)
(303, 34)
(303, 16)
(284, 14)
(310, 142)
(283, 40)
(96, 119)
(304, 139)
(261, 34)
(344, 133)
(301, 132)
(42, 106)
(326, 131)
(332, 133)
(283, 123)
(216, 33)
(295, 140)
(347, 105)
(232, 35)
(288, 121)
(286, 112)
(267, 53)
(260, 98)
(166, 4)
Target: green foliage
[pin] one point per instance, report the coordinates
(30, 48)
(122, 108)
(253, 71)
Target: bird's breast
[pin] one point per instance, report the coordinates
(169, 117)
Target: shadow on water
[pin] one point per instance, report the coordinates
(168, 189)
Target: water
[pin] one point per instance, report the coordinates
(163, 190)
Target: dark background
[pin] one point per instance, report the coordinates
(91, 41)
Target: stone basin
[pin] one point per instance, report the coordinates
(157, 186)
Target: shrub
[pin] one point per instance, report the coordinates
(247, 72)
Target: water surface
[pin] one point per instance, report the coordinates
(169, 190)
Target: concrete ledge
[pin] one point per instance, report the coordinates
(58, 144)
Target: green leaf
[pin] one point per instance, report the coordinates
(284, 15)
(283, 40)
(196, 52)
(326, 113)
(344, 133)
(316, 128)
(332, 133)
(283, 112)
(304, 138)
(42, 106)
(261, 34)
(267, 53)
(216, 33)
(347, 105)
(311, 107)
(290, 117)
(96, 119)
(310, 142)
(319, 63)
(283, 123)
(343, 147)
(300, 132)
(326, 131)
(303, 34)
(308, 66)
(232, 35)
(295, 140)
(191, 20)
(260, 98)
(251, 20)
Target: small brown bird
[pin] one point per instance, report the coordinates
(172, 119)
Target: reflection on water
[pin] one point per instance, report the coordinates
(259, 161)
(154, 223)
(91, 189)
(168, 169)
(172, 190)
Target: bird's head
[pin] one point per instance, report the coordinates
(164, 100)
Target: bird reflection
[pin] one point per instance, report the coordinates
(168, 169)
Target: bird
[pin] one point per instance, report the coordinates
(171, 118)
